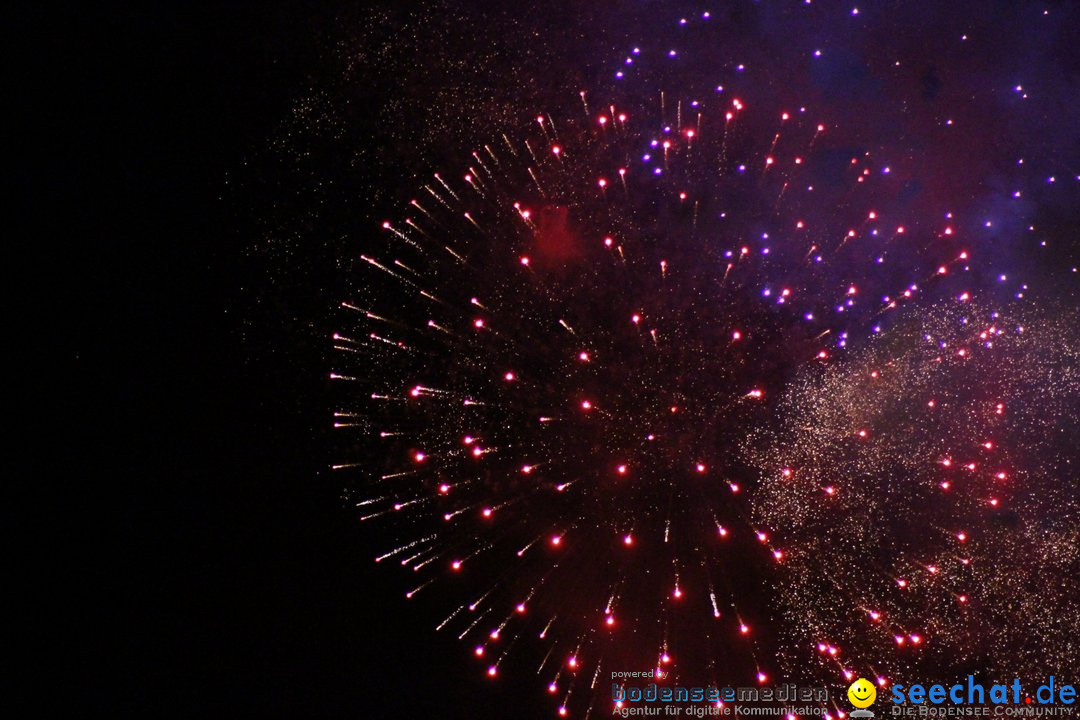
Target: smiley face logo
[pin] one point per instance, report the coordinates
(862, 693)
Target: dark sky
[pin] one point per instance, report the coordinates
(185, 550)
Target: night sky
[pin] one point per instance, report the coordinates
(220, 181)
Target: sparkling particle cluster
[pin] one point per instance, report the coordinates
(927, 488)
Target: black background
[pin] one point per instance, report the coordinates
(183, 550)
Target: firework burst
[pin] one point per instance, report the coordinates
(568, 363)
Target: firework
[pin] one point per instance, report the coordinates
(924, 493)
(567, 371)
